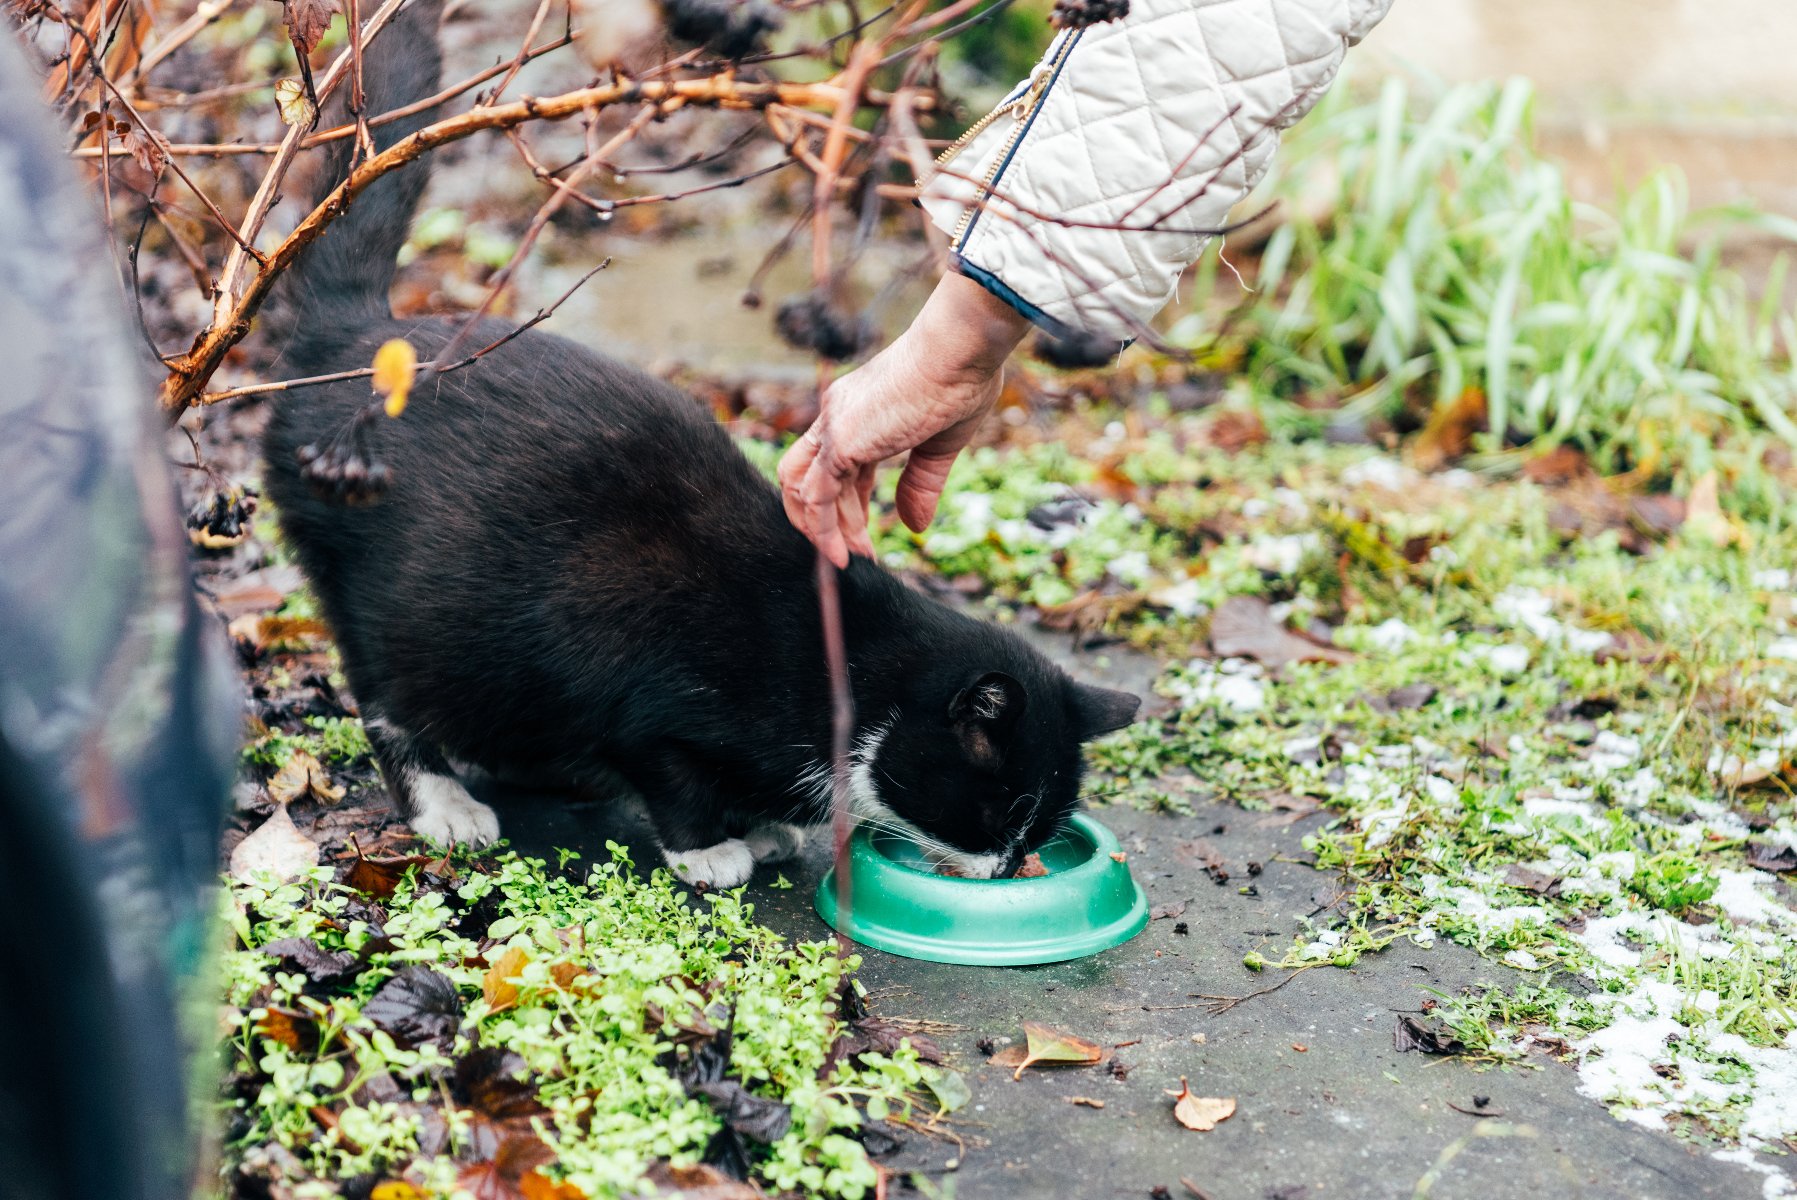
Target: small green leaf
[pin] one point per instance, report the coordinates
(949, 1088)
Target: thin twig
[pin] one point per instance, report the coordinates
(287, 385)
(318, 138)
(1221, 1004)
(231, 280)
(205, 14)
(236, 306)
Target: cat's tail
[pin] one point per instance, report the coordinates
(342, 278)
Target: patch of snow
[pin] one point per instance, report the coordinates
(1617, 1062)
(1505, 659)
(1240, 691)
(1612, 752)
(1522, 960)
(1602, 936)
(1380, 471)
(1785, 647)
(1552, 806)
(1184, 598)
(1638, 789)
(1533, 611)
(1388, 636)
(1738, 894)
(1771, 1114)
(1477, 909)
(1292, 502)
(1299, 747)
(1278, 555)
(1442, 792)
(1776, 580)
(1130, 567)
(1777, 1185)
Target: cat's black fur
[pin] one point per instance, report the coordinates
(574, 569)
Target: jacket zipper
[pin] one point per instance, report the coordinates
(1022, 108)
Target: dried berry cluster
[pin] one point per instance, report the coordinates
(343, 471)
(1077, 14)
(811, 321)
(730, 28)
(1079, 350)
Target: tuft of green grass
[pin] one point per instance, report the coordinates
(1429, 249)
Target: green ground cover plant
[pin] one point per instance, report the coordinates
(498, 1027)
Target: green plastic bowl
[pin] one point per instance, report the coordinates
(1086, 903)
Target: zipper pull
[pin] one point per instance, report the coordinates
(1020, 107)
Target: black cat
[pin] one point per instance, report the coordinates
(572, 568)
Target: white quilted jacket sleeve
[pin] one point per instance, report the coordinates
(1082, 198)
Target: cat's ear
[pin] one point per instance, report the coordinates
(1098, 711)
(983, 714)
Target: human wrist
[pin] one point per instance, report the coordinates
(966, 330)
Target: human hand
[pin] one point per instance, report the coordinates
(927, 393)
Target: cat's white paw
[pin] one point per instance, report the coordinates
(725, 865)
(776, 842)
(444, 812)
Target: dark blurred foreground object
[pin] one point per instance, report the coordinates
(116, 718)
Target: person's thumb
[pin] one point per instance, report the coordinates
(920, 486)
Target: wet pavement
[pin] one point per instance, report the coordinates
(1327, 1107)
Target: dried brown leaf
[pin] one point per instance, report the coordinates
(380, 877)
(1200, 1113)
(1449, 432)
(277, 847)
(307, 21)
(1704, 518)
(1244, 627)
(1781, 859)
(146, 147)
(1530, 880)
(1048, 1047)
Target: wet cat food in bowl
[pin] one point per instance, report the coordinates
(1086, 901)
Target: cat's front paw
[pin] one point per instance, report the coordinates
(444, 812)
(725, 865)
(776, 842)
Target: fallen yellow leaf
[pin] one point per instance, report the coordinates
(395, 365)
(302, 775)
(496, 985)
(395, 1189)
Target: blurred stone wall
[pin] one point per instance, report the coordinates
(1707, 85)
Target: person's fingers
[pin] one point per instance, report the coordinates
(818, 493)
(865, 485)
(920, 486)
(851, 521)
(793, 467)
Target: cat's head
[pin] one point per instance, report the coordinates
(982, 764)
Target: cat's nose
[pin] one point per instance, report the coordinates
(1012, 864)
